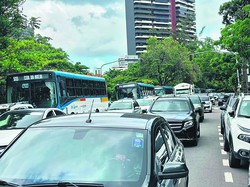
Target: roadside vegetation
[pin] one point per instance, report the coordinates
(166, 62)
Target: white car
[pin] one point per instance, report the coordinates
(237, 131)
(124, 106)
(208, 106)
(145, 103)
(13, 122)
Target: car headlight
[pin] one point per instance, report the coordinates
(244, 137)
(244, 129)
(188, 124)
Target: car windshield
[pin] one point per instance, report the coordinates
(170, 106)
(145, 102)
(18, 120)
(107, 156)
(120, 105)
(205, 98)
(244, 109)
(195, 100)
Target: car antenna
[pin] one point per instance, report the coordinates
(89, 120)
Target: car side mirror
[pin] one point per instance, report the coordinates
(174, 170)
(137, 108)
(220, 103)
(223, 107)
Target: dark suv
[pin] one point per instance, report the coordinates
(181, 115)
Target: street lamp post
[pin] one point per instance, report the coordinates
(107, 64)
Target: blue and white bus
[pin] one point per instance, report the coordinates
(164, 90)
(72, 93)
(134, 90)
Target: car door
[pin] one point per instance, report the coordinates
(229, 118)
(165, 150)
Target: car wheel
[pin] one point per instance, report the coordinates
(233, 162)
(226, 145)
(199, 132)
(221, 128)
(201, 118)
(211, 110)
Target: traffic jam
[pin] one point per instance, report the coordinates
(60, 129)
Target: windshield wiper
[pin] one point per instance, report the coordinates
(65, 184)
(5, 183)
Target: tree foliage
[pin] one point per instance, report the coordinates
(168, 62)
(233, 11)
(236, 38)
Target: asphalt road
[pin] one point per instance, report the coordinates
(208, 162)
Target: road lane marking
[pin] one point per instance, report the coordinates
(221, 144)
(223, 152)
(228, 177)
(225, 162)
(220, 138)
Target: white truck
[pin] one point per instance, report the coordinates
(184, 88)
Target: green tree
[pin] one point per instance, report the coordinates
(30, 55)
(168, 62)
(235, 38)
(233, 11)
(11, 20)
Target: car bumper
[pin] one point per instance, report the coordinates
(207, 107)
(186, 134)
(241, 148)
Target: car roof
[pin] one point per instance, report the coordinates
(29, 110)
(124, 100)
(114, 120)
(178, 97)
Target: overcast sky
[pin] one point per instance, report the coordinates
(94, 31)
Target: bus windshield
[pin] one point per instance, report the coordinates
(41, 94)
(128, 92)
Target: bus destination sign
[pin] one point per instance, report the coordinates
(30, 77)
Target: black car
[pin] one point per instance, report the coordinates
(227, 107)
(223, 98)
(108, 149)
(181, 115)
(198, 106)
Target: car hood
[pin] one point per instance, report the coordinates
(173, 116)
(121, 111)
(197, 106)
(243, 122)
(6, 136)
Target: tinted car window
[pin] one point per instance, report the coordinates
(161, 153)
(169, 138)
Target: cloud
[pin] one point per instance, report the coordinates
(207, 15)
(82, 29)
(94, 31)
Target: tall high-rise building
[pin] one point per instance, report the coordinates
(160, 18)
